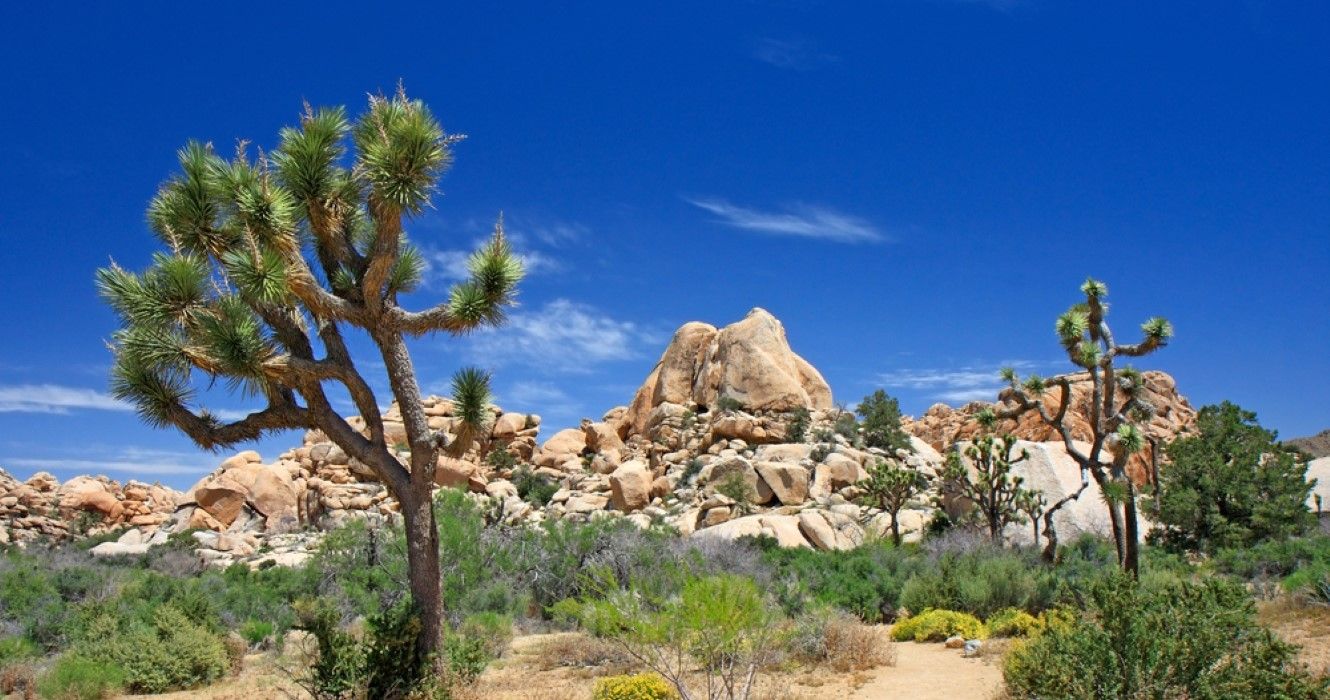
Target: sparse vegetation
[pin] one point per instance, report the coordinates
(882, 422)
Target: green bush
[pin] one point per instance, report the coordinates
(532, 488)
(339, 669)
(1195, 641)
(255, 632)
(937, 626)
(641, 686)
(77, 678)
(1275, 559)
(796, 425)
(1011, 622)
(728, 403)
(982, 582)
(15, 649)
(865, 582)
(169, 653)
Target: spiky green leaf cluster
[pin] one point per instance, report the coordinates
(401, 151)
(1094, 289)
(1157, 330)
(308, 159)
(1130, 438)
(1035, 385)
(1072, 326)
(495, 271)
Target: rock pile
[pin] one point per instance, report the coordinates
(942, 425)
(731, 434)
(42, 508)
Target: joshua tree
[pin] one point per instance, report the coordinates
(983, 477)
(1116, 409)
(890, 486)
(269, 260)
(1031, 504)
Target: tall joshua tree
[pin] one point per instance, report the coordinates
(1115, 412)
(270, 260)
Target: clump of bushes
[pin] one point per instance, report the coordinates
(1197, 640)
(168, 652)
(981, 582)
(1011, 622)
(937, 626)
(832, 638)
(78, 678)
(639, 686)
(533, 488)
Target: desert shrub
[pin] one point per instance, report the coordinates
(1312, 581)
(578, 650)
(865, 582)
(256, 632)
(533, 488)
(720, 624)
(18, 680)
(1198, 641)
(77, 678)
(236, 649)
(736, 488)
(981, 583)
(339, 667)
(846, 426)
(937, 626)
(1011, 622)
(31, 601)
(1274, 559)
(168, 653)
(838, 640)
(500, 458)
(493, 630)
(796, 425)
(393, 663)
(690, 471)
(16, 649)
(640, 686)
(728, 403)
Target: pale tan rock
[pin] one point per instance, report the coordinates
(788, 482)
(630, 486)
(508, 425)
(751, 362)
(830, 530)
(453, 473)
(562, 445)
(783, 528)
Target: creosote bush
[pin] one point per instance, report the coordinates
(77, 678)
(638, 686)
(1190, 641)
(937, 626)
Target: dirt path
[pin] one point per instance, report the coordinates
(932, 672)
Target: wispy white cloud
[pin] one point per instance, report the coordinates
(54, 398)
(954, 385)
(553, 404)
(802, 220)
(130, 461)
(791, 54)
(561, 336)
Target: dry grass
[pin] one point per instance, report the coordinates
(19, 680)
(577, 650)
(854, 646)
(1299, 622)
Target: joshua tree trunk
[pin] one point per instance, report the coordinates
(422, 556)
(1131, 551)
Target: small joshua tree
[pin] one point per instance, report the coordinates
(890, 486)
(1031, 504)
(1117, 408)
(269, 261)
(983, 476)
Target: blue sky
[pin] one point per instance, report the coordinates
(915, 187)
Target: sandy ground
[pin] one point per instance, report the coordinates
(922, 672)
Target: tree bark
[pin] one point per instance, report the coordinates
(1132, 545)
(422, 554)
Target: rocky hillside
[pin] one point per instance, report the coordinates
(718, 408)
(1317, 445)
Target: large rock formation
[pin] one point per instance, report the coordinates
(749, 362)
(943, 425)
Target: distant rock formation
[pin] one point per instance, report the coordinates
(717, 408)
(1317, 445)
(749, 362)
(943, 425)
